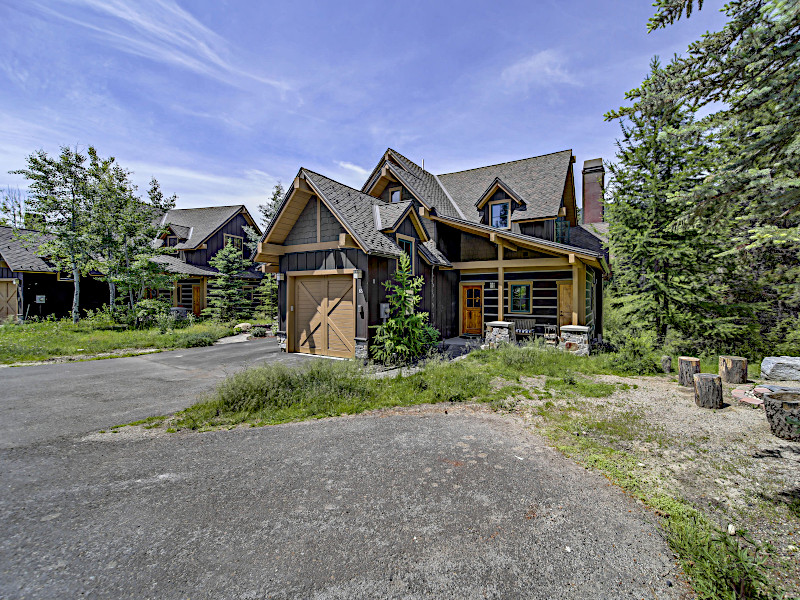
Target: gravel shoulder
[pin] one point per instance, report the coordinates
(726, 462)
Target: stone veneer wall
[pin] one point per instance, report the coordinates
(575, 339)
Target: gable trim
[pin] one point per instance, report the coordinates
(498, 184)
(339, 217)
(409, 213)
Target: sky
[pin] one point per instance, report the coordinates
(219, 99)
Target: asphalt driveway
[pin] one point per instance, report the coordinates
(417, 505)
(45, 402)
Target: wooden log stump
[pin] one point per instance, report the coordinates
(707, 390)
(783, 414)
(687, 367)
(733, 369)
(666, 364)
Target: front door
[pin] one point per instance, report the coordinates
(564, 304)
(196, 300)
(472, 307)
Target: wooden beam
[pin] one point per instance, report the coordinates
(320, 272)
(319, 226)
(346, 241)
(571, 259)
(533, 263)
(265, 249)
(500, 284)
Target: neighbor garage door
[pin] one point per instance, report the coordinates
(324, 319)
(8, 299)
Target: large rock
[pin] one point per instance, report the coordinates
(781, 368)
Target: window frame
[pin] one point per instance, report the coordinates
(230, 236)
(394, 189)
(412, 254)
(491, 206)
(511, 285)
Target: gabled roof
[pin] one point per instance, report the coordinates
(539, 182)
(421, 183)
(388, 216)
(20, 251)
(498, 184)
(354, 209)
(198, 223)
(433, 255)
(181, 231)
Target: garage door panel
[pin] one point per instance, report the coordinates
(325, 315)
(8, 299)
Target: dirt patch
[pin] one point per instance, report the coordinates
(725, 462)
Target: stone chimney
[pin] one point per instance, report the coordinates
(593, 181)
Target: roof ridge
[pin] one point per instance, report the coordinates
(208, 207)
(508, 162)
(344, 185)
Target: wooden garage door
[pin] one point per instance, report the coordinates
(325, 320)
(8, 299)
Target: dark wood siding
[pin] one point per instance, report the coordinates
(58, 294)
(304, 230)
(541, 229)
(215, 243)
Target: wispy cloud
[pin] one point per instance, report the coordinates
(543, 69)
(161, 30)
(360, 171)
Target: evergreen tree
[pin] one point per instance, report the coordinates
(267, 296)
(270, 207)
(747, 73)
(406, 334)
(665, 275)
(227, 298)
(60, 192)
(12, 209)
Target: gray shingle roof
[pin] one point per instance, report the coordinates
(387, 216)
(433, 254)
(198, 223)
(354, 208)
(539, 181)
(173, 264)
(583, 237)
(19, 251)
(424, 184)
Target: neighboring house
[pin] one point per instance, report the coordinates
(193, 236)
(500, 242)
(31, 286)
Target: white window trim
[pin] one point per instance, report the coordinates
(508, 220)
(511, 298)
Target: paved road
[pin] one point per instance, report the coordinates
(418, 505)
(45, 402)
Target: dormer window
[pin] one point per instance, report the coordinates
(499, 214)
(395, 194)
(172, 240)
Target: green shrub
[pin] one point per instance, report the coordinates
(195, 339)
(636, 355)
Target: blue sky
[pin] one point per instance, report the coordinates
(220, 99)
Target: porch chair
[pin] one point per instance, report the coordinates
(525, 327)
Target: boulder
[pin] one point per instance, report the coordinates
(781, 368)
(243, 327)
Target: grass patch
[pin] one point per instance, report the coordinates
(49, 339)
(719, 566)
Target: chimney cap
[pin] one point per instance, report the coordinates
(592, 165)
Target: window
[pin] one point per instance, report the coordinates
(407, 245)
(498, 215)
(172, 240)
(562, 230)
(520, 295)
(396, 194)
(234, 239)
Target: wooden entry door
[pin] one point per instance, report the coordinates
(197, 304)
(472, 309)
(564, 303)
(325, 319)
(8, 299)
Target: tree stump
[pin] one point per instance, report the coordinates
(733, 369)
(707, 390)
(687, 367)
(783, 414)
(666, 364)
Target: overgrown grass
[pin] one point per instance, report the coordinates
(39, 341)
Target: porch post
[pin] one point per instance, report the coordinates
(500, 284)
(578, 293)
